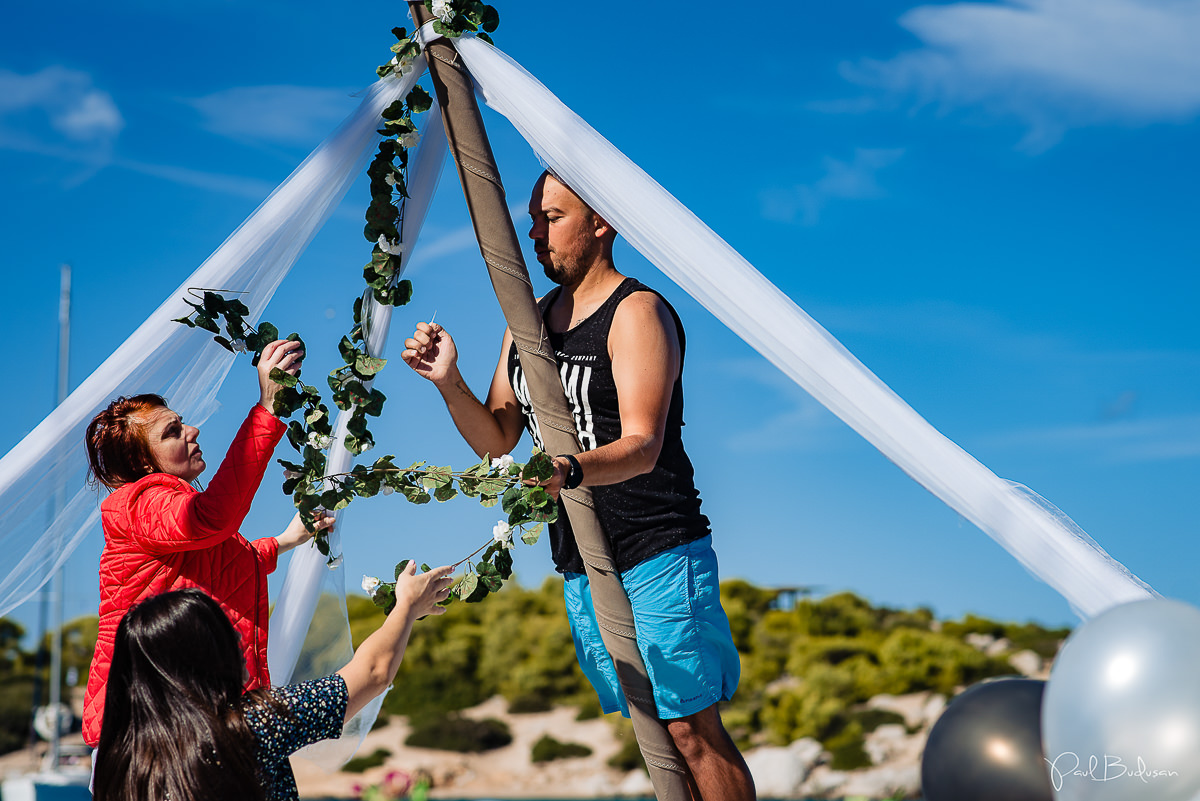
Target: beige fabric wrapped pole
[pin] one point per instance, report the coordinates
(501, 251)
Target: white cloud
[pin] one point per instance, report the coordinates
(1052, 64)
(843, 180)
(65, 99)
(287, 115)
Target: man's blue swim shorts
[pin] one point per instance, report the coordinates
(682, 632)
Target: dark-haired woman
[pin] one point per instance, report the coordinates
(161, 533)
(177, 725)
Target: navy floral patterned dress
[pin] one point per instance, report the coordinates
(316, 710)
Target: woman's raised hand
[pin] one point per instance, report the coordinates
(425, 591)
(282, 353)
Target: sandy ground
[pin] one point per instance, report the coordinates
(504, 772)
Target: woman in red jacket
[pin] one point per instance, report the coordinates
(161, 533)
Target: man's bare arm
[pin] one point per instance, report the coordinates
(491, 428)
(644, 347)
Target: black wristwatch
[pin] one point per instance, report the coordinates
(574, 475)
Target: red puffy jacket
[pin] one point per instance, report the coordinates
(161, 534)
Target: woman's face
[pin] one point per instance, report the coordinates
(173, 444)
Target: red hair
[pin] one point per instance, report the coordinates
(117, 445)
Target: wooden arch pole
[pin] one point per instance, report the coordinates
(501, 250)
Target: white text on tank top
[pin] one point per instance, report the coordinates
(576, 382)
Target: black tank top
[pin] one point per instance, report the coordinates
(649, 513)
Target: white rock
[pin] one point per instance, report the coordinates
(911, 707)
(780, 771)
(636, 784)
(883, 782)
(886, 742)
(999, 647)
(933, 709)
(1027, 662)
(980, 642)
(823, 782)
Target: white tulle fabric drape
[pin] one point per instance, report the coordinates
(162, 356)
(1042, 538)
(305, 643)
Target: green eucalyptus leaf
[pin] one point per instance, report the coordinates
(490, 18)
(416, 495)
(466, 586)
(401, 293)
(207, 323)
(531, 535)
(438, 477)
(444, 493)
(367, 366)
(374, 403)
(519, 514)
(267, 333)
(385, 596)
(511, 497)
(418, 100)
(297, 435)
(395, 110)
(184, 321)
(504, 564)
(400, 567)
(539, 467)
(283, 378)
(214, 304)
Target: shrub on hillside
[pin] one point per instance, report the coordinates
(363, 763)
(464, 735)
(548, 749)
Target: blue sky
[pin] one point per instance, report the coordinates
(987, 203)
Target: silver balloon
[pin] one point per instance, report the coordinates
(1121, 714)
(987, 746)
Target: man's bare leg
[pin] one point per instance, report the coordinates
(717, 766)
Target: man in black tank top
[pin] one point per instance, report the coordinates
(620, 350)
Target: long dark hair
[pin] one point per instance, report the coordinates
(173, 724)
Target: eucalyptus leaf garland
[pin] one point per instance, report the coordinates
(501, 481)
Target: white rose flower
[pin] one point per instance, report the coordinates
(443, 11)
(503, 462)
(387, 489)
(410, 139)
(502, 533)
(239, 345)
(370, 584)
(319, 441)
(392, 248)
(390, 179)
(335, 562)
